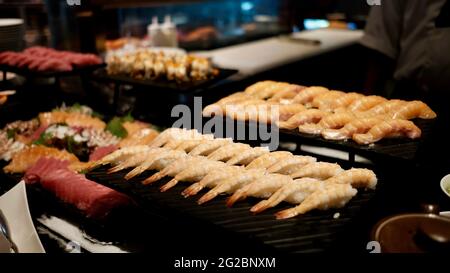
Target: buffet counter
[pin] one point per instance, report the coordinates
(259, 56)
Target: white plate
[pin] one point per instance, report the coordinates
(445, 184)
(445, 213)
(6, 22)
(14, 205)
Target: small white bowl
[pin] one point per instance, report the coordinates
(445, 213)
(445, 184)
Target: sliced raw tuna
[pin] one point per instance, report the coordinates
(100, 152)
(4, 56)
(39, 51)
(47, 59)
(36, 134)
(26, 61)
(42, 167)
(93, 199)
(36, 63)
(15, 59)
(54, 65)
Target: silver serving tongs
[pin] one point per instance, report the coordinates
(5, 231)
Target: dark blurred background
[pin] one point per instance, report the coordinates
(205, 24)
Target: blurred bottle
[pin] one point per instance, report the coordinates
(170, 32)
(163, 35)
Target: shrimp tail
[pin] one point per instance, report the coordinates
(207, 197)
(115, 169)
(287, 213)
(237, 196)
(260, 207)
(157, 176)
(169, 185)
(133, 173)
(192, 190)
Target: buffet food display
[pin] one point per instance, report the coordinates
(43, 59)
(241, 171)
(152, 64)
(53, 149)
(61, 145)
(331, 114)
(59, 150)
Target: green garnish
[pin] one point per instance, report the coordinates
(43, 139)
(116, 128)
(157, 128)
(11, 133)
(70, 144)
(128, 118)
(75, 106)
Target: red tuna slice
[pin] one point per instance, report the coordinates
(59, 55)
(36, 134)
(10, 58)
(5, 55)
(91, 198)
(54, 65)
(37, 62)
(16, 59)
(43, 167)
(74, 58)
(100, 152)
(39, 51)
(26, 61)
(93, 59)
(82, 60)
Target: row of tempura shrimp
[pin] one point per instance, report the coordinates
(241, 171)
(334, 115)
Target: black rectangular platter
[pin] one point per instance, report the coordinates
(317, 231)
(50, 74)
(183, 87)
(397, 148)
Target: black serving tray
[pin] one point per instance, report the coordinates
(49, 74)
(180, 87)
(317, 231)
(132, 228)
(394, 148)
